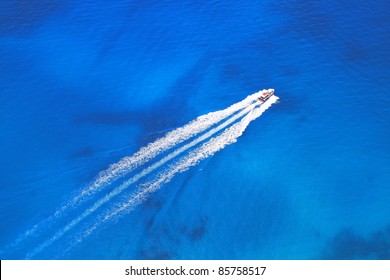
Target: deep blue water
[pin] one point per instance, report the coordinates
(85, 83)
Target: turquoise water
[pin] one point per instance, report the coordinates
(86, 84)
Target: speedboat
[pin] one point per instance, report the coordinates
(266, 95)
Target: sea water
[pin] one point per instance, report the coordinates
(84, 84)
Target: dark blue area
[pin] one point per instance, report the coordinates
(347, 245)
(85, 83)
(23, 16)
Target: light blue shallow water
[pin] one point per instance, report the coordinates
(85, 84)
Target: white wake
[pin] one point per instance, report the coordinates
(230, 135)
(127, 164)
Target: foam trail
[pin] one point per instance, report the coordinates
(146, 153)
(229, 136)
(145, 172)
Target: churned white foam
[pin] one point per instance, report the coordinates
(127, 164)
(227, 137)
(142, 174)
